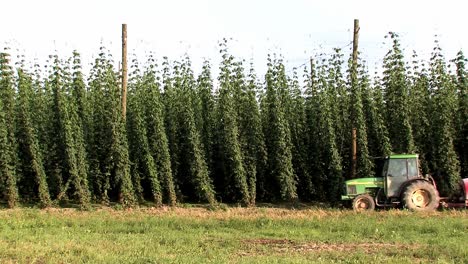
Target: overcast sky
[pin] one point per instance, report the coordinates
(296, 29)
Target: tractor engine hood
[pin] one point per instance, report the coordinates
(358, 186)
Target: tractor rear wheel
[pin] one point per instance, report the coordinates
(363, 202)
(420, 196)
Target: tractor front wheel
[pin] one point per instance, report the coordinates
(363, 202)
(420, 196)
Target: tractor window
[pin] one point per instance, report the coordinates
(412, 168)
(397, 168)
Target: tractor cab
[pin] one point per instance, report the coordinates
(397, 171)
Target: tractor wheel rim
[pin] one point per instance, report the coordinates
(362, 204)
(420, 198)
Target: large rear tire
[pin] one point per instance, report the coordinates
(363, 202)
(420, 196)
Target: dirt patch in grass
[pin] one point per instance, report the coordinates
(286, 246)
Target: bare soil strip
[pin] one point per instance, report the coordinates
(283, 246)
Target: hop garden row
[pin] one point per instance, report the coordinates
(64, 139)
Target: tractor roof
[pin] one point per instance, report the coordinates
(403, 156)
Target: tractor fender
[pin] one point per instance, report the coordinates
(429, 180)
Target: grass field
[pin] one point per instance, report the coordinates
(233, 235)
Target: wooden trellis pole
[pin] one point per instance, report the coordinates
(124, 70)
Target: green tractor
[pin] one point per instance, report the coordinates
(400, 184)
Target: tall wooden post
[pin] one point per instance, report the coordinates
(354, 154)
(124, 70)
(355, 43)
(354, 86)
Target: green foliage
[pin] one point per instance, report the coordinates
(378, 139)
(8, 144)
(297, 124)
(187, 154)
(205, 115)
(148, 141)
(71, 153)
(97, 138)
(252, 141)
(462, 122)
(275, 125)
(9, 190)
(158, 139)
(144, 166)
(231, 82)
(110, 164)
(360, 83)
(330, 158)
(445, 163)
(238, 139)
(340, 103)
(79, 110)
(33, 178)
(7, 94)
(395, 82)
(314, 185)
(420, 99)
